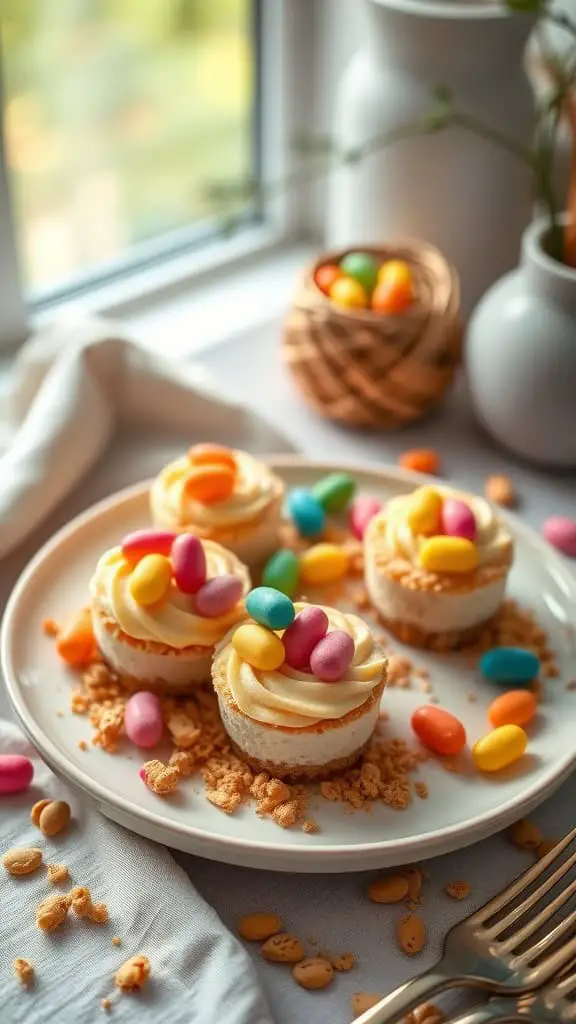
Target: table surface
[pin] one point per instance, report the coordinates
(333, 908)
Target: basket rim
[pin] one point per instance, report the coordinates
(397, 245)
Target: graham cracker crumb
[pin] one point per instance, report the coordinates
(458, 890)
(50, 628)
(499, 489)
(471, 697)
(82, 905)
(382, 774)
(82, 745)
(227, 802)
(421, 790)
(310, 826)
(116, 940)
(23, 969)
(57, 873)
(109, 722)
(79, 702)
(345, 962)
(106, 1004)
(133, 974)
(160, 778)
(52, 912)
(360, 599)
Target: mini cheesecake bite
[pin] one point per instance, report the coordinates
(160, 603)
(436, 562)
(223, 495)
(301, 702)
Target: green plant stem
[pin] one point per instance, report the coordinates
(472, 124)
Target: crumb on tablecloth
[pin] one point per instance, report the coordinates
(344, 962)
(24, 971)
(133, 973)
(57, 873)
(116, 940)
(106, 1004)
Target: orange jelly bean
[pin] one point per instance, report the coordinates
(392, 296)
(210, 484)
(212, 455)
(515, 707)
(76, 643)
(325, 276)
(420, 460)
(439, 730)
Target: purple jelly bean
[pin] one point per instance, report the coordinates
(332, 656)
(16, 773)
(218, 596)
(188, 563)
(301, 637)
(457, 519)
(143, 720)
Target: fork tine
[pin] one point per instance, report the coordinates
(555, 962)
(567, 983)
(517, 887)
(530, 901)
(532, 954)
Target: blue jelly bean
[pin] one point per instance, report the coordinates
(282, 572)
(270, 608)
(306, 512)
(509, 666)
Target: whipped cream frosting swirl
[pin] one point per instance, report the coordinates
(395, 537)
(292, 698)
(174, 620)
(255, 487)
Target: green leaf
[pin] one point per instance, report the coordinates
(527, 6)
(441, 94)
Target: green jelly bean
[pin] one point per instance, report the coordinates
(335, 491)
(282, 571)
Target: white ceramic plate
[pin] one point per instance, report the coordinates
(461, 809)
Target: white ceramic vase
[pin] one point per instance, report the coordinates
(521, 357)
(465, 195)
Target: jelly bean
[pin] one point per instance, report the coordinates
(395, 270)
(420, 460)
(509, 665)
(189, 563)
(560, 531)
(438, 730)
(448, 554)
(218, 596)
(212, 455)
(282, 572)
(325, 276)
(361, 267)
(306, 512)
(335, 491)
(424, 511)
(332, 655)
(457, 519)
(392, 297)
(323, 564)
(147, 542)
(363, 510)
(76, 643)
(16, 773)
(499, 748)
(348, 293)
(300, 639)
(515, 707)
(210, 484)
(150, 579)
(143, 719)
(258, 646)
(270, 607)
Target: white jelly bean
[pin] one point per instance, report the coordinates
(332, 656)
(218, 596)
(143, 720)
(300, 639)
(16, 773)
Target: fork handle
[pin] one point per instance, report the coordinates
(490, 1015)
(406, 997)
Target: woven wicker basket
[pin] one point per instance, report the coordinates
(368, 370)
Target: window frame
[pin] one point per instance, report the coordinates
(283, 32)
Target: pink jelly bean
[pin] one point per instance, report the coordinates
(16, 773)
(361, 512)
(332, 656)
(143, 720)
(560, 531)
(302, 635)
(218, 596)
(188, 563)
(457, 519)
(147, 542)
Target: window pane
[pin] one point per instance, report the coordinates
(117, 114)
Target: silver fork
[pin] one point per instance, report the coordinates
(476, 954)
(551, 1005)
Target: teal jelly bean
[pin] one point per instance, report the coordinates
(270, 607)
(306, 512)
(513, 666)
(335, 491)
(282, 572)
(362, 267)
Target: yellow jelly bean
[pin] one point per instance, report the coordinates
(258, 646)
(499, 748)
(448, 554)
(150, 579)
(425, 511)
(322, 564)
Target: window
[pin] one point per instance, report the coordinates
(118, 113)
